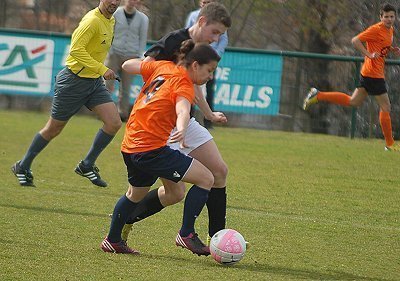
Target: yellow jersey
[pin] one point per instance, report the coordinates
(90, 43)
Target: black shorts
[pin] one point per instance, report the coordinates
(373, 86)
(71, 92)
(145, 168)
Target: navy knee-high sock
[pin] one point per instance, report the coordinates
(37, 145)
(216, 205)
(100, 142)
(195, 200)
(147, 207)
(122, 210)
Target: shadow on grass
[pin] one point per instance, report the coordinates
(307, 274)
(271, 270)
(53, 210)
(254, 267)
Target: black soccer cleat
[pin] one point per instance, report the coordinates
(24, 176)
(91, 173)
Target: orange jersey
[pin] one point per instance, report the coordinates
(378, 39)
(153, 115)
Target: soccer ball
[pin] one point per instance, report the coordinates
(227, 246)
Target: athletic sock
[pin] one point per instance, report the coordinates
(195, 200)
(37, 145)
(334, 97)
(122, 209)
(386, 126)
(100, 142)
(216, 205)
(147, 207)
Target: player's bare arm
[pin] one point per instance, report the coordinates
(360, 46)
(182, 121)
(216, 117)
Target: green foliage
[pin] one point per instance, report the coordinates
(313, 207)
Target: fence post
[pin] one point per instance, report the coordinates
(353, 109)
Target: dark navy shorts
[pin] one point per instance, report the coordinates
(145, 168)
(71, 92)
(373, 86)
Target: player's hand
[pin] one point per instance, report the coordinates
(177, 136)
(183, 145)
(109, 75)
(218, 117)
(374, 56)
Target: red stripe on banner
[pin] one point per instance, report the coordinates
(38, 50)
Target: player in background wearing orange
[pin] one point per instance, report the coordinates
(378, 39)
(164, 103)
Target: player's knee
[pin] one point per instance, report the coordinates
(386, 108)
(220, 173)
(50, 133)
(207, 181)
(113, 126)
(179, 196)
(172, 198)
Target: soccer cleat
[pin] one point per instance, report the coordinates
(209, 241)
(126, 230)
(310, 99)
(92, 173)
(25, 177)
(394, 147)
(117, 248)
(193, 243)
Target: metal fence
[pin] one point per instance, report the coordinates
(288, 76)
(341, 73)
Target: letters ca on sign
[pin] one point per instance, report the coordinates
(26, 64)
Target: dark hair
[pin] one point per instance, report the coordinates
(203, 53)
(386, 7)
(215, 12)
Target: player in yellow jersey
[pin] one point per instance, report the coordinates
(81, 83)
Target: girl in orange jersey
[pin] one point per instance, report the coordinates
(163, 103)
(378, 39)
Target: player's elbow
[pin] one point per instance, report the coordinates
(355, 40)
(131, 66)
(75, 52)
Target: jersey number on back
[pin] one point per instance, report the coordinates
(153, 87)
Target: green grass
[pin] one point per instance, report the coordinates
(314, 207)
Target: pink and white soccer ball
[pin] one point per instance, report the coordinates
(227, 246)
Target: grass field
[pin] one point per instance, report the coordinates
(314, 207)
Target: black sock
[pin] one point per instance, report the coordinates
(122, 209)
(37, 145)
(195, 200)
(100, 142)
(216, 205)
(147, 207)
